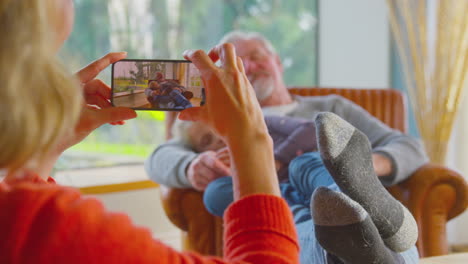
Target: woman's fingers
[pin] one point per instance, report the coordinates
(97, 87)
(201, 60)
(229, 96)
(112, 115)
(240, 65)
(191, 114)
(98, 101)
(90, 72)
(226, 53)
(228, 56)
(96, 92)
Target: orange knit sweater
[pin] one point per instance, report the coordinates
(47, 223)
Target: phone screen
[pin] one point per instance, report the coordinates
(163, 85)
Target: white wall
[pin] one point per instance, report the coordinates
(145, 210)
(354, 44)
(457, 229)
(355, 52)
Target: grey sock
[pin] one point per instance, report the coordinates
(347, 154)
(345, 230)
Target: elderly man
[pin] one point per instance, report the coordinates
(395, 156)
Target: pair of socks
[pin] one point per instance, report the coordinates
(364, 224)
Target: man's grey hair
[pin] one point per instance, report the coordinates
(236, 35)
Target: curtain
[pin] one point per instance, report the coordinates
(432, 40)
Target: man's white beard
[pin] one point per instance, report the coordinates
(263, 87)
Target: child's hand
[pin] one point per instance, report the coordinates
(224, 156)
(234, 113)
(232, 108)
(204, 169)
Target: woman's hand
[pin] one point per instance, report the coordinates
(233, 111)
(97, 109)
(232, 108)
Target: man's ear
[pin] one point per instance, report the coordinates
(279, 63)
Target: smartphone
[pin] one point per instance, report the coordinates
(161, 85)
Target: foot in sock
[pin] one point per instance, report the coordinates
(347, 154)
(344, 229)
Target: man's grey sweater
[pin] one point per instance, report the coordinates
(167, 165)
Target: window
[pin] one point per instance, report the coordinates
(163, 29)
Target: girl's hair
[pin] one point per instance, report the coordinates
(195, 135)
(180, 131)
(39, 101)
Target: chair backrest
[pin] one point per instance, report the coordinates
(388, 105)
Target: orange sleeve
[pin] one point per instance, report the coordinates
(62, 227)
(259, 229)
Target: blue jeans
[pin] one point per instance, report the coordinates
(174, 97)
(179, 99)
(306, 173)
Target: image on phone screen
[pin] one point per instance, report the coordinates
(164, 85)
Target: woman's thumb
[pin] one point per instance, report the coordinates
(191, 114)
(115, 114)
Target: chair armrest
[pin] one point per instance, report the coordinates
(173, 202)
(431, 176)
(434, 195)
(202, 232)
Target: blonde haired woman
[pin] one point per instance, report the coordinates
(46, 110)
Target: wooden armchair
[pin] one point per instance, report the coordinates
(434, 194)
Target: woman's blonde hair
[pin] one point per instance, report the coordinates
(39, 101)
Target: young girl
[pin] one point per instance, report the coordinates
(43, 113)
(292, 137)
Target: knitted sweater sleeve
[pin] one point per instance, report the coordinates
(406, 153)
(168, 163)
(59, 226)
